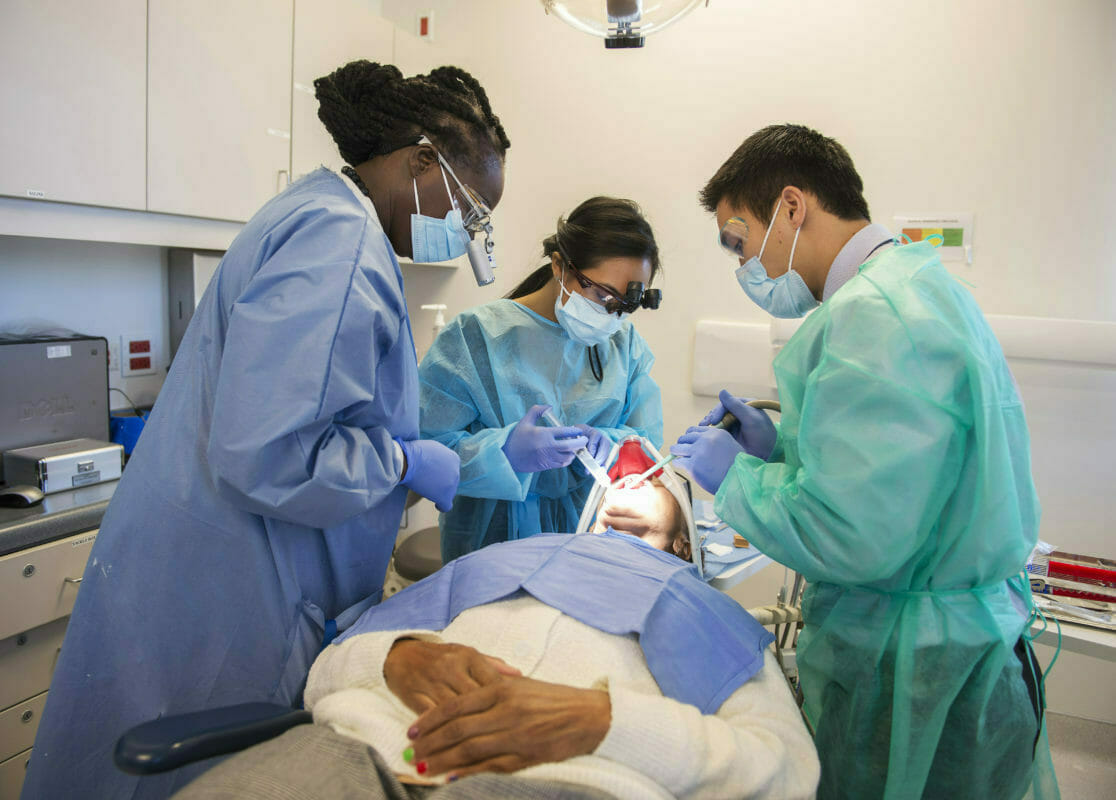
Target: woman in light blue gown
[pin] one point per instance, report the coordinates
(552, 342)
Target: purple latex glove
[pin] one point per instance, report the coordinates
(753, 429)
(599, 445)
(707, 454)
(432, 470)
(531, 447)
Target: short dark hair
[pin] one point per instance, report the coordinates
(371, 110)
(788, 155)
(599, 228)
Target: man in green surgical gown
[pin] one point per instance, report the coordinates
(898, 483)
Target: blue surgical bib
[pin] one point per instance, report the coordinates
(700, 645)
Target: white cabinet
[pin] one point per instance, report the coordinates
(219, 116)
(328, 34)
(73, 100)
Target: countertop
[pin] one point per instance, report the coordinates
(59, 515)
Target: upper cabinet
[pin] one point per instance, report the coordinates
(327, 34)
(219, 116)
(73, 101)
(199, 109)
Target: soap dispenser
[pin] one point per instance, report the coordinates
(439, 318)
(439, 322)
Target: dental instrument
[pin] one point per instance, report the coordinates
(652, 470)
(582, 455)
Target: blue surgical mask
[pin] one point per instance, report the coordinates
(583, 320)
(787, 296)
(433, 239)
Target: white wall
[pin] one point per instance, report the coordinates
(94, 288)
(999, 107)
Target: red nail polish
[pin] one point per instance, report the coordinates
(420, 768)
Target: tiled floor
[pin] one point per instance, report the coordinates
(1084, 755)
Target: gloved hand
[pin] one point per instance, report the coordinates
(753, 429)
(432, 470)
(531, 447)
(707, 454)
(599, 445)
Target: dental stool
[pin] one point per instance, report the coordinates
(417, 556)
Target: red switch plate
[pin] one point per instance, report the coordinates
(139, 346)
(139, 363)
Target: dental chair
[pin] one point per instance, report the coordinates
(168, 743)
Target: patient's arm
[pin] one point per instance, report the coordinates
(423, 674)
(509, 725)
(756, 743)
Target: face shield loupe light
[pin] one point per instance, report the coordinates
(476, 218)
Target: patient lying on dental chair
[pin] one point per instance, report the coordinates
(589, 666)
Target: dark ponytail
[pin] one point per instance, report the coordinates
(371, 110)
(598, 229)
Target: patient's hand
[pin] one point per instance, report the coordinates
(424, 674)
(510, 725)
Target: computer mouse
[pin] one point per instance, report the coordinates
(20, 496)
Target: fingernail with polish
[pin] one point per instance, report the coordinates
(412, 732)
(420, 768)
(452, 778)
(409, 755)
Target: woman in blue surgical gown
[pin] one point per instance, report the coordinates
(260, 507)
(553, 342)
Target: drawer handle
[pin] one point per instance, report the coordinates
(71, 580)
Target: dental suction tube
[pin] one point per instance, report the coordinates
(480, 261)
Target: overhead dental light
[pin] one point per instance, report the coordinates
(621, 23)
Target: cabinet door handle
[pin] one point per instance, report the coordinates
(71, 580)
(283, 180)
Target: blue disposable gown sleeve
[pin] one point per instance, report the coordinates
(463, 412)
(643, 405)
(876, 464)
(299, 362)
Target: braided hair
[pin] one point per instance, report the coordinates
(371, 110)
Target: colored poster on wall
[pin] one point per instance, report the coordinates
(951, 233)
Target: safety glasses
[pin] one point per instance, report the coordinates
(475, 214)
(734, 233)
(635, 298)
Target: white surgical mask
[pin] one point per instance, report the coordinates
(433, 239)
(787, 296)
(583, 320)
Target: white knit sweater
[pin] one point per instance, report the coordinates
(754, 746)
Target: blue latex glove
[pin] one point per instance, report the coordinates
(432, 470)
(707, 454)
(599, 445)
(753, 429)
(531, 447)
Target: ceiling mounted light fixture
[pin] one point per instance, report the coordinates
(621, 23)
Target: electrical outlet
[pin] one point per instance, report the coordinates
(137, 355)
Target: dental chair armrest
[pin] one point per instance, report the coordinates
(167, 743)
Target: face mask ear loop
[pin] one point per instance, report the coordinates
(415, 184)
(770, 225)
(794, 244)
